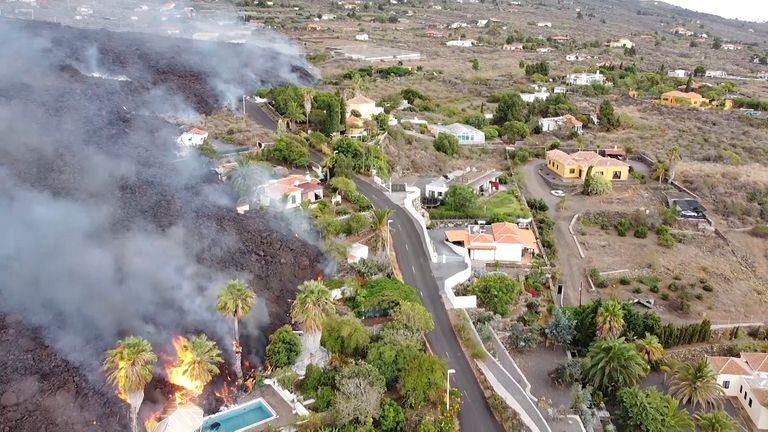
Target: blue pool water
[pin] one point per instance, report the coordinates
(244, 416)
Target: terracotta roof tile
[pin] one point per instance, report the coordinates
(729, 366)
(757, 361)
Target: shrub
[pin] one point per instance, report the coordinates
(566, 373)
(707, 287)
(699, 296)
(602, 283)
(597, 185)
(496, 292)
(623, 226)
(625, 280)
(654, 289)
(311, 382)
(666, 240)
(673, 286)
(649, 281)
(324, 400)
(523, 338)
(284, 347)
(637, 290)
(641, 231)
(665, 296)
(760, 231)
(446, 144)
(594, 274)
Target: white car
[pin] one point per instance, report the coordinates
(690, 214)
(558, 193)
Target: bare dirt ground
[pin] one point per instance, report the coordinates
(739, 294)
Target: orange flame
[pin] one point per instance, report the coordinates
(224, 395)
(178, 376)
(151, 422)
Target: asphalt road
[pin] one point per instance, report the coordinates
(475, 414)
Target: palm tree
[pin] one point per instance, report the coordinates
(612, 364)
(380, 224)
(129, 366)
(715, 421)
(650, 348)
(312, 306)
(561, 203)
(199, 359)
(660, 170)
(235, 300)
(610, 319)
(293, 113)
(696, 383)
(673, 157)
(308, 94)
(678, 419)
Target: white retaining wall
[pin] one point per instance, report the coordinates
(459, 302)
(289, 397)
(413, 193)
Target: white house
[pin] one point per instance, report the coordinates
(357, 252)
(544, 24)
(585, 78)
(678, 73)
(361, 37)
(746, 379)
(575, 57)
(505, 241)
(561, 90)
(415, 120)
(327, 17)
(464, 133)
(730, 47)
(461, 43)
(192, 138)
(289, 192)
(544, 50)
(530, 97)
(363, 105)
(482, 22)
(484, 183)
(621, 43)
(512, 47)
(552, 124)
(458, 25)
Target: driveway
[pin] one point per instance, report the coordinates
(569, 262)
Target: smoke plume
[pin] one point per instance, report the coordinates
(104, 233)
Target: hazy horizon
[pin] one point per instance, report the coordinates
(744, 10)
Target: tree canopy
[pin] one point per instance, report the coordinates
(345, 335)
(359, 390)
(447, 144)
(613, 364)
(289, 149)
(496, 291)
(283, 348)
(423, 379)
(511, 107)
(460, 198)
(650, 411)
(382, 295)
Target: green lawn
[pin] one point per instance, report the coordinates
(504, 202)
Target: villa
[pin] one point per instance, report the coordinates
(289, 192)
(484, 183)
(585, 78)
(566, 122)
(576, 165)
(745, 378)
(464, 133)
(503, 242)
(366, 107)
(678, 98)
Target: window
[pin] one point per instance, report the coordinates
(750, 402)
(741, 389)
(745, 395)
(572, 171)
(617, 176)
(726, 384)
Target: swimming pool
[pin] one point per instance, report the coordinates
(239, 418)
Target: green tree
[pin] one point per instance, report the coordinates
(283, 348)
(650, 348)
(392, 417)
(293, 113)
(610, 319)
(673, 158)
(129, 367)
(699, 71)
(235, 300)
(392, 353)
(715, 421)
(650, 411)
(207, 150)
(200, 359)
(514, 130)
(560, 328)
(595, 184)
(460, 198)
(380, 225)
(475, 64)
(345, 335)
(359, 390)
(330, 106)
(689, 83)
(413, 317)
(356, 223)
(312, 305)
(496, 291)
(447, 144)
(510, 107)
(422, 380)
(342, 185)
(660, 169)
(606, 115)
(382, 295)
(612, 364)
(696, 383)
(476, 120)
(289, 149)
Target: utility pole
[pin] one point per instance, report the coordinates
(448, 390)
(581, 288)
(243, 105)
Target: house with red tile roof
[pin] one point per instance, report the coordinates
(745, 378)
(502, 241)
(289, 192)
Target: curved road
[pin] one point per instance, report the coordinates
(412, 258)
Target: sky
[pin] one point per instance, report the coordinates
(746, 10)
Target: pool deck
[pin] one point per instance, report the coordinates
(284, 411)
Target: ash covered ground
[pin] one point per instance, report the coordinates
(104, 233)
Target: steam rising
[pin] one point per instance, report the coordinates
(102, 235)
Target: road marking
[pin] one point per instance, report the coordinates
(406, 246)
(467, 396)
(446, 355)
(413, 268)
(421, 292)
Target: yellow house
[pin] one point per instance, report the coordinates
(678, 98)
(576, 165)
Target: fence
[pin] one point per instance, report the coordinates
(413, 193)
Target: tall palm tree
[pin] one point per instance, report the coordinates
(308, 94)
(612, 364)
(650, 348)
(293, 113)
(673, 157)
(678, 419)
(235, 300)
(380, 224)
(129, 366)
(715, 421)
(200, 358)
(610, 319)
(312, 306)
(696, 383)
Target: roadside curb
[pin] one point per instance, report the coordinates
(573, 234)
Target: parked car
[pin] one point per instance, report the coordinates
(558, 193)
